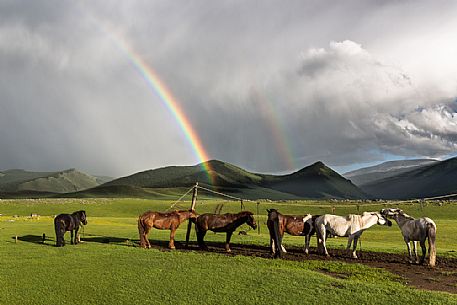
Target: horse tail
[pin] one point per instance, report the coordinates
(431, 232)
(277, 236)
(141, 231)
(273, 218)
(321, 231)
(59, 227)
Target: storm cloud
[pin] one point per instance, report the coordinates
(271, 86)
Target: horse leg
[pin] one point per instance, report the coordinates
(415, 251)
(71, 238)
(350, 239)
(77, 235)
(272, 245)
(147, 229)
(227, 241)
(307, 238)
(354, 247)
(200, 239)
(171, 244)
(409, 251)
(424, 251)
(324, 241)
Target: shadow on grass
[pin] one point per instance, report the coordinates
(121, 241)
(35, 239)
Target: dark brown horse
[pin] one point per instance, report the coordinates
(162, 221)
(222, 223)
(68, 222)
(295, 225)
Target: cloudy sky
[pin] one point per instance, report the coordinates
(271, 86)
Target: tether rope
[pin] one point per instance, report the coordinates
(222, 194)
(307, 205)
(180, 198)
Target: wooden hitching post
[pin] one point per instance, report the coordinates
(192, 207)
(258, 218)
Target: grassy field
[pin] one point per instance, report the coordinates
(96, 272)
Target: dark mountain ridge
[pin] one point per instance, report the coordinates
(437, 179)
(315, 181)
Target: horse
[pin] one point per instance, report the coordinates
(295, 225)
(162, 221)
(222, 223)
(415, 230)
(69, 222)
(351, 226)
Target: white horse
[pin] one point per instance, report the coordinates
(415, 230)
(351, 226)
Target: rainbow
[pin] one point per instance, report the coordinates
(276, 128)
(166, 96)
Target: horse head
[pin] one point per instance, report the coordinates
(394, 213)
(251, 221)
(82, 217)
(382, 220)
(193, 215)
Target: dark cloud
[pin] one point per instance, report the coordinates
(267, 85)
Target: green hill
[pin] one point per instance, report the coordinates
(437, 179)
(315, 181)
(24, 182)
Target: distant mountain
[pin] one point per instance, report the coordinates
(385, 170)
(436, 179)
(24, 182)
(315, 181)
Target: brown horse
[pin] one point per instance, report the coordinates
(162, 221)
(295, 225)
(222, 223)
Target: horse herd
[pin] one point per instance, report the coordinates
(351, 226)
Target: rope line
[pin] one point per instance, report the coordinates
(222, 194)
(180, 198)
(305, 205)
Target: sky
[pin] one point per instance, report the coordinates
(271, 86)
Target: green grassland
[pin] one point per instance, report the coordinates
(118, 272)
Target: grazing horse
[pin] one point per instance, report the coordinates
(415, 230)
(162, 221)
(68, 222)
(222, 223)
(277, 223)
(351, 226)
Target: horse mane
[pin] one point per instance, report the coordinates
(245, 213)
(405, 215)
(181, 211)
(355, 220)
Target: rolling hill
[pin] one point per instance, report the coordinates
(24, 182)
(436, 179)
(316, 181)
(385, 170)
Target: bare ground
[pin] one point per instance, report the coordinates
(441, 278)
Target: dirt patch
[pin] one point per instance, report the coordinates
(441, 278)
